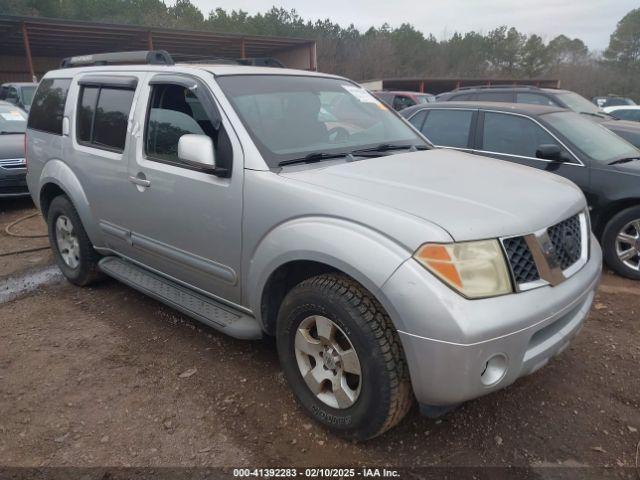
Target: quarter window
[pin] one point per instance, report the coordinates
(418, 118)
(448, 128)
(513, 135)
(103, 114)
(47, 109)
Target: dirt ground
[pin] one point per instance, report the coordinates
(92, 377)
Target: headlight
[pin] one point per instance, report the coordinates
(475, 269)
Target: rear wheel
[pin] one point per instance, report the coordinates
(71, 246)
(621, 243)
(342, 357)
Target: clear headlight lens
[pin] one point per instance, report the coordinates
(475, 269)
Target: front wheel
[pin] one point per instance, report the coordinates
(342, 357)
(71, 246)
(621, 243)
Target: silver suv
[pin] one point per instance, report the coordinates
(294, 204)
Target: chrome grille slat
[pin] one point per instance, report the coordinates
(548, 256)
(12, 163)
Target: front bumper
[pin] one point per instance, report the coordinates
(459, 349)
(13, 182)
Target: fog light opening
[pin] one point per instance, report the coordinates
(494, 370)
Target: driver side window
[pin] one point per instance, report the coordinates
(175, 111)
(513, 135)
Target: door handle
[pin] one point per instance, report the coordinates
(143, 182)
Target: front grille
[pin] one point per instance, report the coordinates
(566, 238)
(521, 260)
(547, 257)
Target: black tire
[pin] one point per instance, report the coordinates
(87, 271)
(611, 231)
(385, 392)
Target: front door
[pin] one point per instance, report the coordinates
(185, 222)
(516, 138)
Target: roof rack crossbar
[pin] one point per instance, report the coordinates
(148, 57)
(506, 85)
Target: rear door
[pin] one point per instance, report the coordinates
(99, 113)
(515, 138)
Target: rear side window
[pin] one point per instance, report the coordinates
(633, 115)
(47, 108)
(103, 113)
(495, 96)
(448, 128)
(400, 102)
(465, 97)
(535, 99)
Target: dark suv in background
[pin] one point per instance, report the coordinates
(603, 165)
(553, 97)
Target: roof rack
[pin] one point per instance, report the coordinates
(149, 57)
(510, 85)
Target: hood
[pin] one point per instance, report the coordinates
(11, 146)
(471, 197)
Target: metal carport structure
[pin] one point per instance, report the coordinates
(33, 45)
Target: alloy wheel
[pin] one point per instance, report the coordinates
(67, 242)
(628, 245)
(328, 362)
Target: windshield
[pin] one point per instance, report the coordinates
(289, 117)
(592, 139)
(12, 120)
(578, 103)
(27, 95)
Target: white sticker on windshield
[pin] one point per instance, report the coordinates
(13, 116)
(361, 94)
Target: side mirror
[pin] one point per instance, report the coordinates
(550, 152)
(197, 151)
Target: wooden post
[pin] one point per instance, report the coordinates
(27, 49)
(312, 57)
(243, 52)
(149, 40)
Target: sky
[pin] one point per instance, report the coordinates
(591, 20)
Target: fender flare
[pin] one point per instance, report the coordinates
(366, 255)
(57, 172)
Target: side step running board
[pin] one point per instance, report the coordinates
(200, 307)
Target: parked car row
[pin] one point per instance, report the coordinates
(554, 139)
(295, 204)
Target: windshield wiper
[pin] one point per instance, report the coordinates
(623, 160)
(314, 157)
(387, 147)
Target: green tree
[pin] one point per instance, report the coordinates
(624, 44)
(534, 57)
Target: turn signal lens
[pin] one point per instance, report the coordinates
(474, 269)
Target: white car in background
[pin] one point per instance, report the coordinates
(624, 112)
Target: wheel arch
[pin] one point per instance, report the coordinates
(367, 257)
(612, 209)
(58, 179)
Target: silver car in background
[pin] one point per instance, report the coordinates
(13, 124)
(294, 204)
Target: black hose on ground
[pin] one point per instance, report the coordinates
(8, 231)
